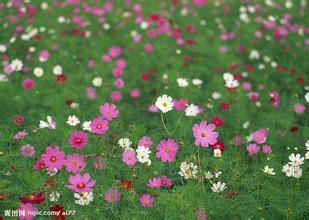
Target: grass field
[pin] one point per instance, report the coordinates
(104, 104)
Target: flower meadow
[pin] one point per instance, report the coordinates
(154, 109)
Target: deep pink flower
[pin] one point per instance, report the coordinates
(99, 126)
(180, 104)
(112, 196)
(116, 96)
(80, 183)
(78, 139)
(167, 150)
(109, 111)
(27, 150)
(165, 181)
(154, 183)
(119, 83)
(266, 149)
(204, 134)
(74, 163)
(259, 136)
(53, 158)
(135, 93)
(148, 48)
(129, 158)
(146, 200)
(145, 141)
(39, 164)
(253, 149)
(28, 84)
(26, 211)
(18, 119)
(121, 63)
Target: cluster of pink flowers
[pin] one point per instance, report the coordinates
(259, 137)
(158, 182)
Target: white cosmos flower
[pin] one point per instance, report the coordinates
(217, 173)
(216, 95)
(208, 175)
(164, 103)
(73, 120)
(3, 78)
(54, 196)
(38, 71)
(217, 153)
(86, 126)
(228, 77)
(296, 160)
(143, 155)
(49, 124)
(218, 187)
(182, 82)
(2, 48)
(197, 82)
(192, 110)
(17, 65)
(297, 171)
(287, 170)
(307, 97)
(307, 155)
(97, 81)
(84, 198)
(188, 170)
(268, 170)
(125, 143)
(307, 144)
(254, 54)
(57, 70)
(246, 125)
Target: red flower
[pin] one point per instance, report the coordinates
(217, 121)
(145, 76)
(292, 71)
(234, 67)
(219, 145)
(300, 80)
(61, 78)
(57, 208)
(153, 71)
(125, 184)
(35, 198)
(224, 105)
(249, 68)
(293, 129)
(18, 120)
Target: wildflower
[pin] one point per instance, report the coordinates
(259, 136)
(182, 82)
(192, 110)
(125, 143)
(188, 170)
(112, 196)
(204, 134)
(143, 155)
(84, 198)
(288, 170)
(38, 71)
(125, 184)
(154, 183)
(217, 153)
(17, 65)
(165, 181)
(74, 163)
(299, 108)
(197, 82)
(35, 198)
(28, 84)
(201, 214)
(54, 196)
(53, 158)
(97, 81)
(78, 139)
(109, 111)
(180, 104)
(20, 135)
(146, 200)
(253, 149)
(86, 126)
(27, 211)
(18, 120)
(268, 170)
(208, 175)
(27, 150)
(296, 160)
(128, 157)
(164, 103)
(266, 149)
(218, 187)
(81, 183)
(73, 120)
(167, 150)
(145, 141)
(49, 124)
(99, 126)
(219, 145)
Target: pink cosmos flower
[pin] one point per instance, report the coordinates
(299, 108)
(26, 211)
(106, 58)
(109, 111)
(167, 150)
(237, 141)
(146, 200)
(154, 183)
(148, 48)
(28, 84)
(112, 196)
(117, 72)
(44, 55)
(39, 164)
(27, 150)
(80, 183)
(99, 126)
(180, 104)
(266, 149)
(119, 83)
(204, 134)
(116, 96)
(129, 158)
(74, 163)
(53, 158)
(20, 135)
(259, 136)
(91, 94)
(78, 139)
(253, 149)
(121, 63)
(135, 93)
(201, 214)
(153, 108)
(253, 96)
(114, 51)
(199, 2)
(145, 141)
(165, 181)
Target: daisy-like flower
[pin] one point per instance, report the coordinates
(53, 158)
(80, 183)
(188, 170)
(296, 160)
(125, 143)
(20, 135)
(145, 141)
(73, 120)
(112, 196)
(129, 158)
(49, 124)
(146, 200)
(109, 111)
(218, 187)
(143, 154)
(268, 170)
(197, 82)
(307, 155)
(297, 171)
(288, 170)
(259, 136)
(182, 82)
(217, 153)
(208, 175)
(307, 145)
(78, 139)
(165, 181)
(54, 196)
(164, 103)
(97, 81)
(84, 198)
(99, 126)
(27, 150)
(167, 150)
(154, 183)
(38, 71)
(86, 126)
(192, 110)
(204, 134)
(17, 65)
(57, 70)
(74, 163)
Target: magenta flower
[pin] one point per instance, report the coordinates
(167, 150)
(145, 141)
(253, 149)
(28, 84)
(112, 196)
(129, 158)
(74, 163)
(80, 183)
(26, 211)
(180, 104)
(109, 111)
(146, 200)
(166, 182)
(154, 183)
(27, 150)
(114, 51)
(259, 136)
(99, 126)
(53, 158)
(78, 139)
(274, 98)
(204, 134)
(116, 96)
(266, 149)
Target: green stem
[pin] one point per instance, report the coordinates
(165, 125)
